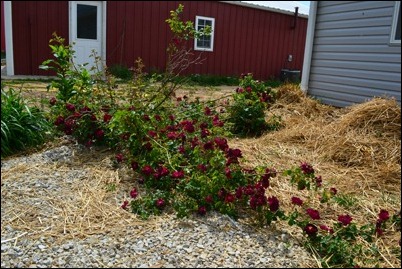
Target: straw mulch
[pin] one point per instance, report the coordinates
(72, 199)
(357, 150)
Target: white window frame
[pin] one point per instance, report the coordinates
(394, 41)
(211, 48)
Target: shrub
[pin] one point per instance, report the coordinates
(121, 71)
(246, 115)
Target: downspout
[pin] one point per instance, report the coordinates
(8, 27)
(308, 49)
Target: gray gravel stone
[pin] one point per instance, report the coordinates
(210, 241)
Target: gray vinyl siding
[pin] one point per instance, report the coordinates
(352, 60)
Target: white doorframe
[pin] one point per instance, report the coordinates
(8, 28)
(102, 25)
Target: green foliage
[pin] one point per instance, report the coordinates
(246, 115)
(121, 71)
(22, 126)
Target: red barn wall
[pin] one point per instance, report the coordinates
(246, 39)
(33, 25)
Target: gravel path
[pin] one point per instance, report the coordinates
(162, 241)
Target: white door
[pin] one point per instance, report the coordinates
(86, 31)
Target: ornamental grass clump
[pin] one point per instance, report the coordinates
(23, 126)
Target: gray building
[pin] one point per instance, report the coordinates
(353, 51)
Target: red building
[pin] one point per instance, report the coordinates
(246, 38)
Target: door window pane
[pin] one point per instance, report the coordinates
(86, 21)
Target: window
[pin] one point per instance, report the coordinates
(205, 43)
(86, 21)
(396, 25)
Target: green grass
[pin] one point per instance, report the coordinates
(22, 126)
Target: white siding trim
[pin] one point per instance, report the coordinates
(308, 50)
(8, 25)
(394, 24)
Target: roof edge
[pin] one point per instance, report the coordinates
(277, 10)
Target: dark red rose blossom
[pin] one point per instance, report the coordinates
(125, 204)
(134, 165)
(178, 174)
(181, 149)
(160, 203)
(59, 121)
(249, 190)
(311, 229)
(318, 181)
(229, 198)
(146, 117)
(249, 89)
(297, 201)
(172, 135)
(217, 122)
(273, 203)
(221, 143)
(133, 193)
(326, 228)
(207, 111)
(148, 146)
(203, 125)
(379, 231)
(189, 128)
(140, 180)
(228, 173)
(239, 193)
(264, 182)
(107, 117)
(333, 191)
(209, 199)
(147, 170)
(306, 168)
(202, 167)
(208, 145)
(383, 215)
(99, 133)
(152, 133)
(345, 219)
(205, 133)
(222, 193)
(172, 117)
(157, 117)
(235, 153)
(53, 101)
(314, 214)
(253, 202)
(163, 171)
(202, 210)
(119, 157)
(70, 107)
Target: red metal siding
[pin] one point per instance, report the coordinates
(33, 25)
(245, 39)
